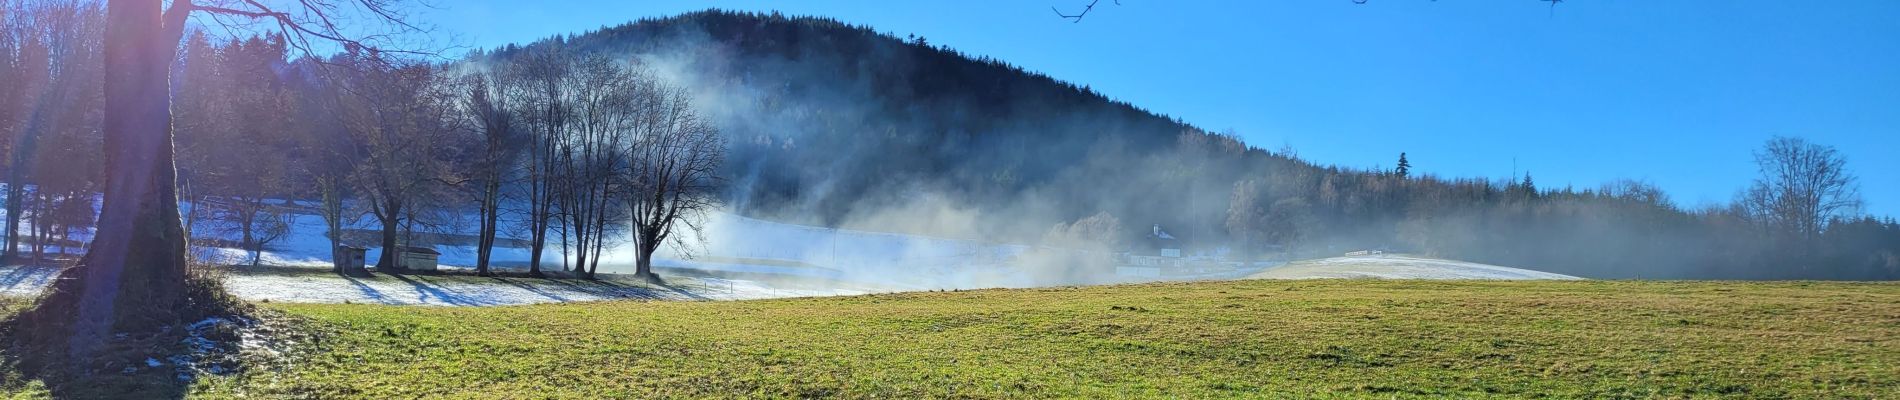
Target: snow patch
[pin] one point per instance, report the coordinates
(1401, 267)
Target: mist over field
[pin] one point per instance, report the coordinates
(835, 125)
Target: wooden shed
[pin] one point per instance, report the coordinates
(418, 258)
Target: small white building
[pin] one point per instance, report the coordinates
(418, 258)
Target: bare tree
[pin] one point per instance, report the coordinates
(490, 103)
(230, 112)
(1077, 17)
(55, 60)
(198, 118)
(543, 76)
(672, 175)
(1802, 186)
(606, 98)
(16, 59)
(330, 154)
(133, 275)
(401, 115)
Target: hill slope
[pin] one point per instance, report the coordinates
(839, 125)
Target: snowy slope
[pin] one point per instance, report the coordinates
(320, 287)
(1400, 267)
(733, 244)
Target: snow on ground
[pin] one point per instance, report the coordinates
(1400, 267)
(319, 286)
(24, 281)
(740, 258)
(734, 244)
(316, 286)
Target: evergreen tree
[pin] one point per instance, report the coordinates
(1530, 187)
(1405, 166)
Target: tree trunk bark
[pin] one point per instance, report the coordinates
(133, 276)
(39, 244)
(16, 188)
(580, 247)
(491, 214)
(250, 240)
(332, 218)
(389, 258)
(538, 221)
(564, 247)
(643, 265)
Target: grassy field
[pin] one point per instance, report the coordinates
(1336, 338)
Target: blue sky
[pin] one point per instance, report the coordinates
(1673, 92)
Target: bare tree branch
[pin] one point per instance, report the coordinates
(1085, 11)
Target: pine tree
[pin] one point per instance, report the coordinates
(1405, 167)
(1529, 186)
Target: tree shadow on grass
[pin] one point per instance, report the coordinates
(606, 288)
(681, 290)
(426, 290)
(35, 276)
(532, 289)
(368, 291)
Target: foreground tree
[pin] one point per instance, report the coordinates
(133, 276)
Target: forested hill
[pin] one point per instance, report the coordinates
(825, 115)
(838, 124)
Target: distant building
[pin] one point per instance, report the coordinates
(1159, 255)
(1162, 244)
(349, 259)
(416, 258)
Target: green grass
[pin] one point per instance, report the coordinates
(1335, 338)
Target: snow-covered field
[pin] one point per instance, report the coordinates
(733, 244)
(441, 290)
(739, 258)
(319, 287)
(1399, 267)
(18, 281)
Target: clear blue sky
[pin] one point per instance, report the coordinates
(1674, 92)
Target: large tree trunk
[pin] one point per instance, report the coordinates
(580, 247)
(133, 276)
(388, 259)
(491, 214)
(249, 238)
(565, 243)
(539, 243)
(332, 218)
(643, 265)
(538, 226)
